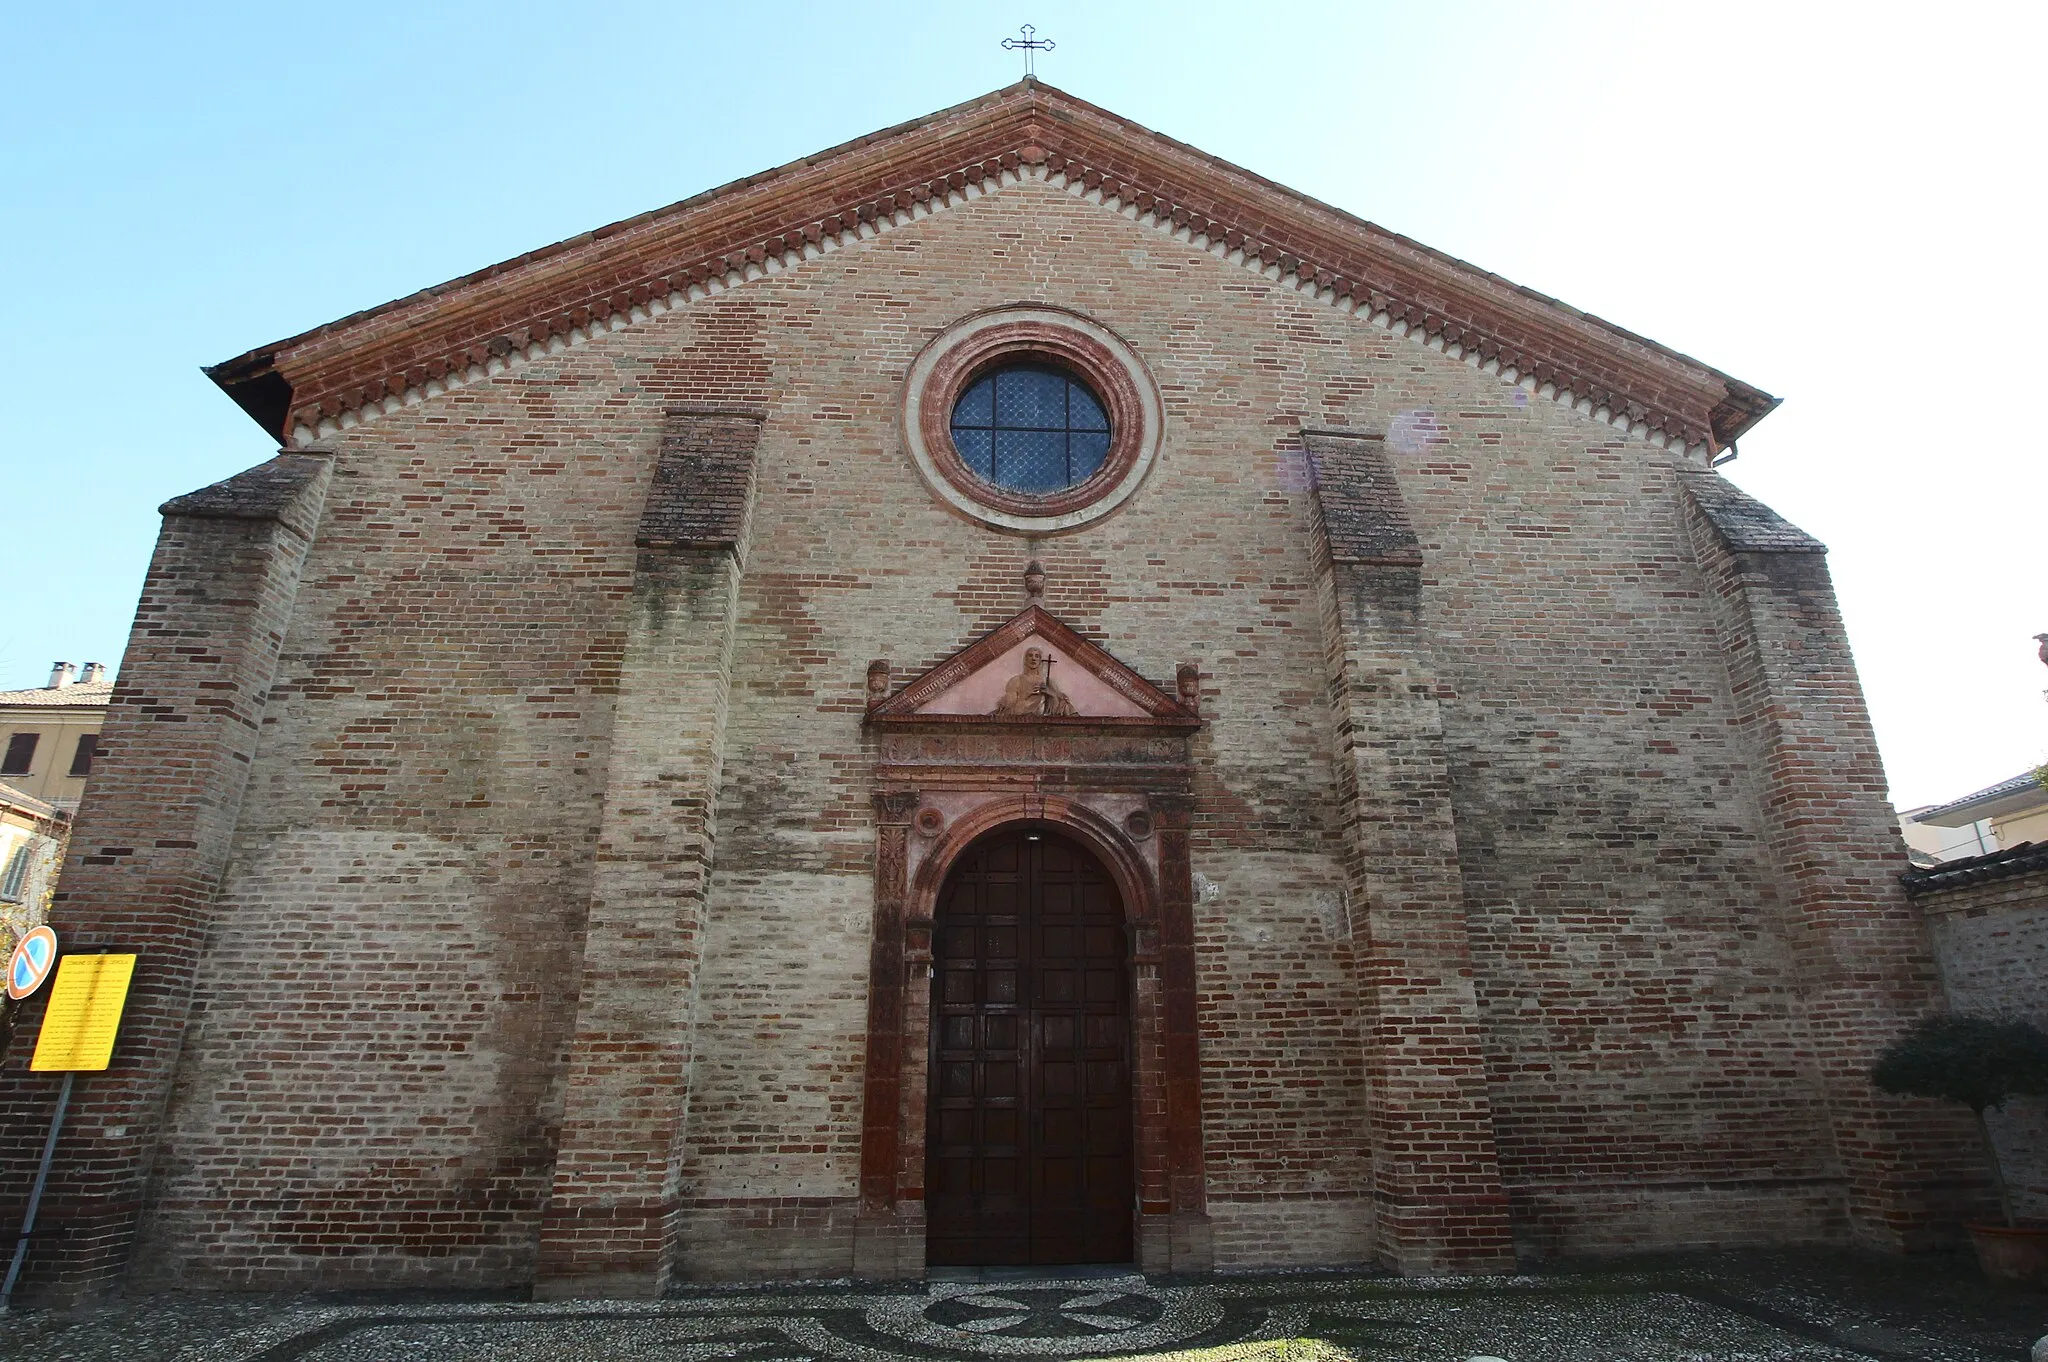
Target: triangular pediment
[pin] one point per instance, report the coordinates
(1034, 669)
(473, 327)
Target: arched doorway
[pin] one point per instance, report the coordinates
(1028, 1143)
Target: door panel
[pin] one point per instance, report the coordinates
(1029, 1135)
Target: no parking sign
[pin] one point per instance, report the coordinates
(30, 964)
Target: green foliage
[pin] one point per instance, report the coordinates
(1978, 1061)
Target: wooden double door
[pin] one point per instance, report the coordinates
(1029, 1141)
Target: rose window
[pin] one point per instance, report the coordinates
(1030, 428)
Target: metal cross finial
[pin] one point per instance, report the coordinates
(1030, 47)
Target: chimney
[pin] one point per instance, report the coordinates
(94, 671)
(60, 676)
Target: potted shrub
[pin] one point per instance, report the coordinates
(1981, 1062)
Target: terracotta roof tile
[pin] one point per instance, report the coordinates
(52, 697)
(2026, 858)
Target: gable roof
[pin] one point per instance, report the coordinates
(471, 326)
(77, 695)
(2023, 791)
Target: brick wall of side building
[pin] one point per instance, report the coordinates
(1989, 917)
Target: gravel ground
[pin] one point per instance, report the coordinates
(1809, 1306)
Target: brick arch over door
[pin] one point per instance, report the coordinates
(1172, 1228)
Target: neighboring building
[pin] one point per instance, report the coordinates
(31, 840)
(1992, 819)
(48, 735)
(1007, 692)
(1984, 892)
(1989, 919)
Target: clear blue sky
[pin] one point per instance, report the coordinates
(1835, 203)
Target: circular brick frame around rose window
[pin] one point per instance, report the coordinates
(1050, 336)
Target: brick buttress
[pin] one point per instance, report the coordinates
(612, 1219)
(1865, 965)
(1438, 1199)
(151, 843)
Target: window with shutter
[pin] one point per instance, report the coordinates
(21, 754)
(81, 760)
(17, 871)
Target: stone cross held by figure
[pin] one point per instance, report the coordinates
(1031, 690)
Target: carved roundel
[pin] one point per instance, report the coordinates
(1051, 381)
(930, 822)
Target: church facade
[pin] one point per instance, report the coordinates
(1006, 693)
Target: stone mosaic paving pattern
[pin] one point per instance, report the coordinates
(1610, 1318)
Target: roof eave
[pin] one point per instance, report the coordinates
(256, 386)
(1586, 352)
(1964, 812)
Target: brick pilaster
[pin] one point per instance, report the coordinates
(1866, 967)
(889, 1233)
(1182, 1239)
(152, 840)
(612, 1216)
(1439, 1200)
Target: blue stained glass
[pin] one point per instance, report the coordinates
(1083, 411)
(1032, 460)
(977, 405)
(1030, 428)
(975, 447)
(1035, 399)
(1086, 449)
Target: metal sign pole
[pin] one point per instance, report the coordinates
(35, 1196)
(77, 1037)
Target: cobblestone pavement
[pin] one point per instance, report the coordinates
(1752, 1307)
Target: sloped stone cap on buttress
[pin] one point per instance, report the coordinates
(462, 331)
(1745, 524)
(703, 479)
(1364, 519)
(272, 490)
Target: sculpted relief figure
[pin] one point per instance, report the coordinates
(1031, 691)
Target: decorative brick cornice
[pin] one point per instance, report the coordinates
(561, 295)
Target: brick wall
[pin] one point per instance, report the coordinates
(374, 1088)
(1989, 917)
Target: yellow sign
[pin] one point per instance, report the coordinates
(84, 1012)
